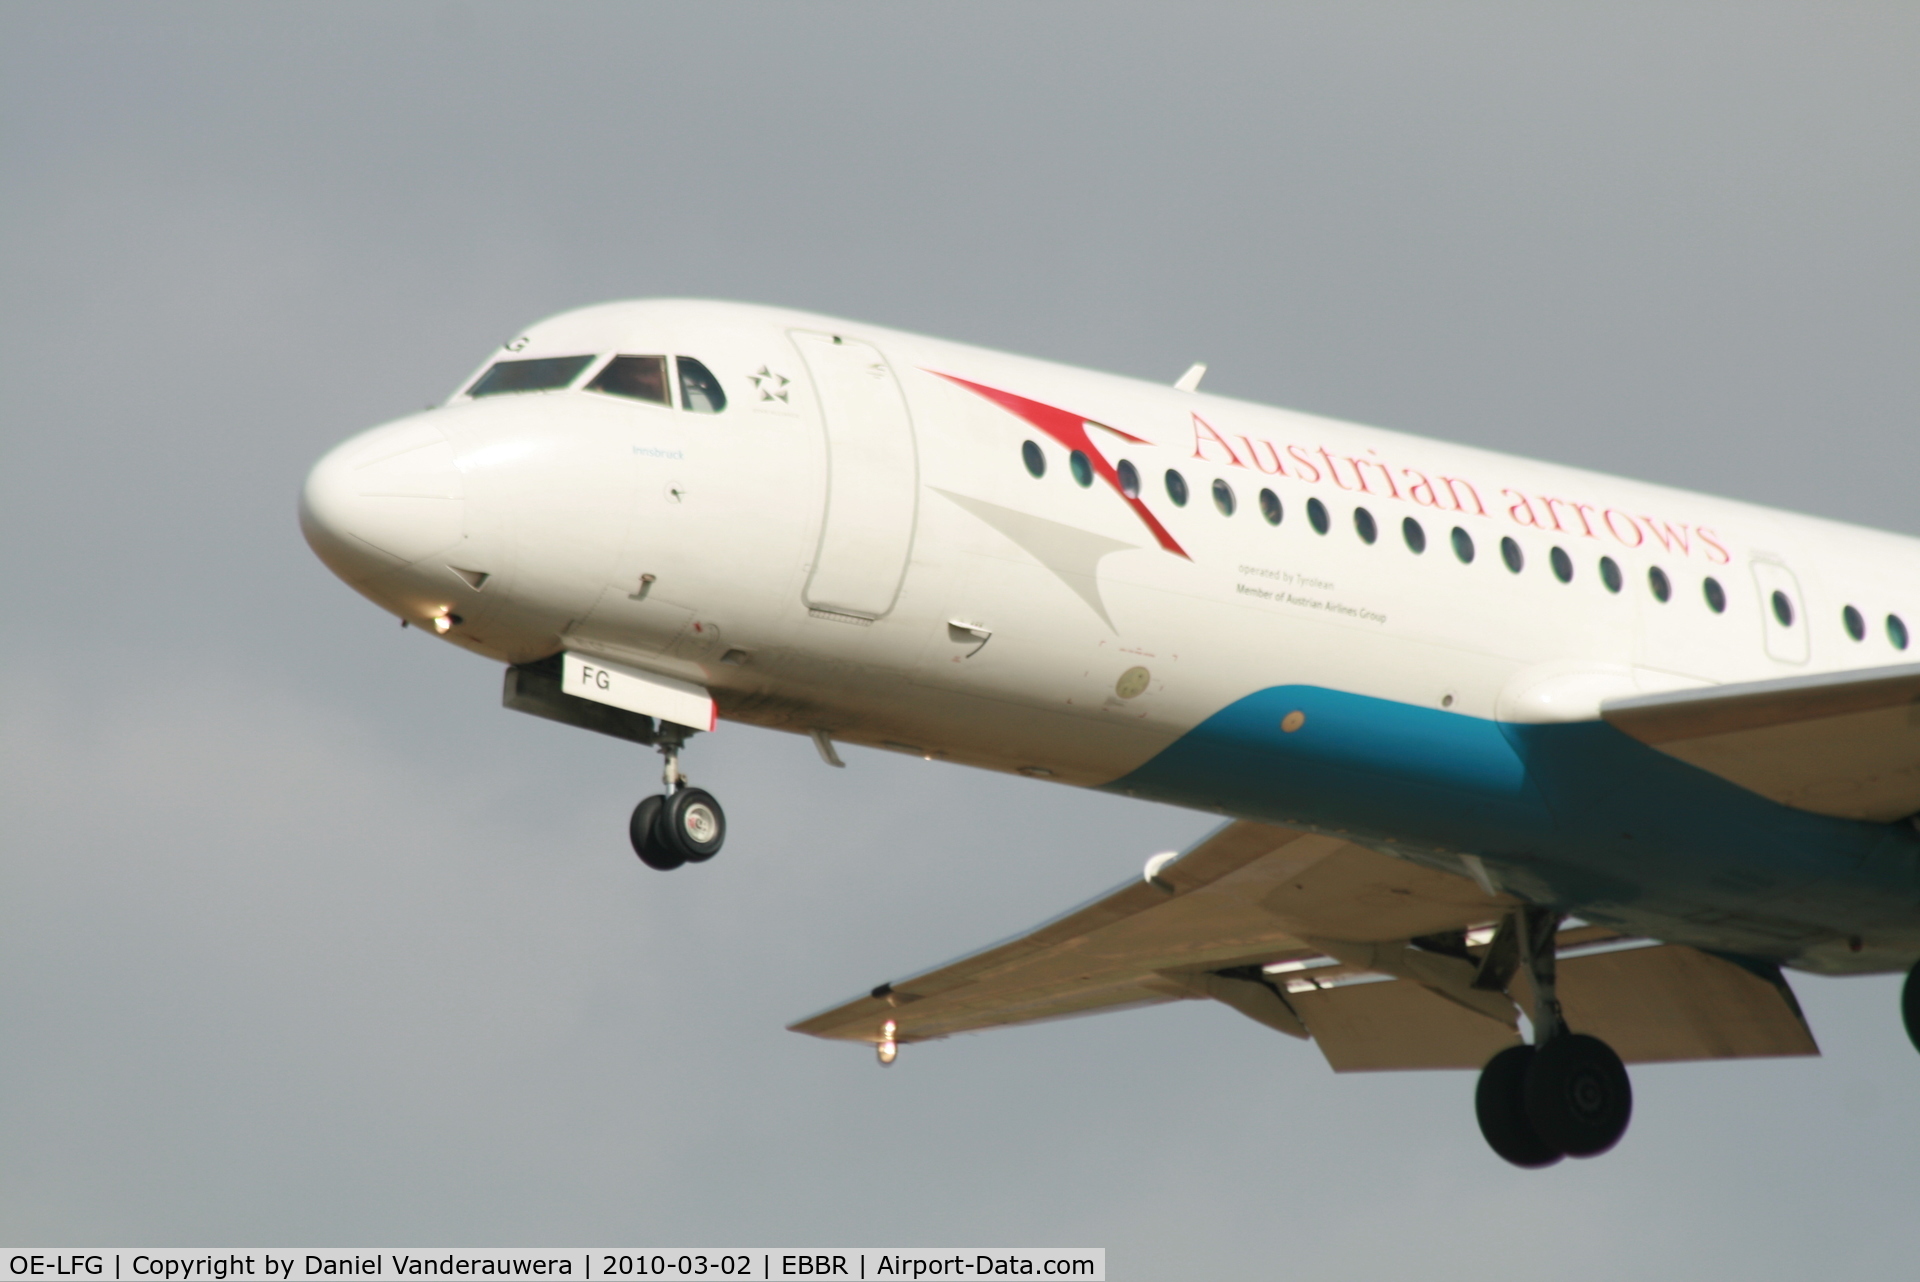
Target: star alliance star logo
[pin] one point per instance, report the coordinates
(771, 386)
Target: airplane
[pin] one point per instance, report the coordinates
(1494, 742)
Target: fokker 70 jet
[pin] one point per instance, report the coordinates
(1493, 740)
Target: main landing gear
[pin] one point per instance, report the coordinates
(684, 826)
(1910, 1005)
(1567, 1095)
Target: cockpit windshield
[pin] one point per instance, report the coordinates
(640, 378)
(637, 378)
(699, 389)
(539, 375)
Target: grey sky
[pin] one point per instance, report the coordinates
(304, 940)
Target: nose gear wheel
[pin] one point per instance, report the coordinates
(640, 831)
(691, 825)
(685, 825)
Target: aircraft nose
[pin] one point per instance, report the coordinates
(385, 499)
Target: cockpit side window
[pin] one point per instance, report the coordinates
(699, 389)
(639, 378)
(539, 375)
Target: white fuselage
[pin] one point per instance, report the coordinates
(857, 545)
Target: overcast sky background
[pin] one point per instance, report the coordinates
(304, 940)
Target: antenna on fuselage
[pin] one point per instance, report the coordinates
(1190, 381)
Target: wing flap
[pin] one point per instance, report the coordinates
(1842, 744)
(1670, 1002)
(1387, 1025)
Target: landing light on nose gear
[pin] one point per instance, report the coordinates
(684, 826)
(1567, 1095)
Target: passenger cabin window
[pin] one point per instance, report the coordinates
(1176, 488)
(1510, 553)
(1317, 516)
(1129, 478)
(1270, 507)
(1856, 623)
(1562, 565)
(1223, 498)
(1896, 632)
(1715, 594)
(1463, 545)
(1082, 468)
(638, 378)
(1035, 460)
(1415, 536)
(543, 374)
(1364, 526)
(1659, 584)
(1610, 574)
(699, 389)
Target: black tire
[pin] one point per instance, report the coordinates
(1910, 1005)
(640, 831)
(1578, 1098)
(691, 825)
(1500, 1102)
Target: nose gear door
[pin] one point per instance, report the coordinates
(873, 480)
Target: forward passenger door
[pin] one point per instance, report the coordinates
(873, 478)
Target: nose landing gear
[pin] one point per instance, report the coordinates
(684, 826)
(1567, 1095)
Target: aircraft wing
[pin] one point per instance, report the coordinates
(1318, 937)
(1842, 744)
